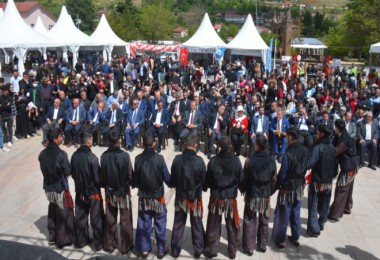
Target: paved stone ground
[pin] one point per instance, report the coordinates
(23, 213)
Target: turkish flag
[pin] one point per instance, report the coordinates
(326, 65)
(184, 56)
(294, 65)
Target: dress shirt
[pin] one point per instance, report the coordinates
(75, 115)
(55, 114)
(303, 125)
(158, 117)
(368, 130)
(260, 125)
(191, 116)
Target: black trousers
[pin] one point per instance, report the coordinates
(237, 141)
(255, 225)
(197, 232)
(342, 201)
(213, 232)
(60, 225)
(8, 130)
(83, 208)
(305, 138)
(93, 129)
(110, 229)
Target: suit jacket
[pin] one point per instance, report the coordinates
(139, 117)
(197, 120)
(118, 119)
(284, 125)
(250, 108)
(329, 124)
(124, 107)
(296, 120)
(91, 114)
(153, 103)
(108, 87)
(70, 114)
(255, 124)
(186, 104)
(165, 117)
(352, 130)
(362, 130)
(181, 107)
(143, 107)
(212, 119)
(50, 114)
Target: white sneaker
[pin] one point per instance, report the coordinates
(28, 136)
(9, 144)
(14, 138)
(4, 150)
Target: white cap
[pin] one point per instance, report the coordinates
(240, 108)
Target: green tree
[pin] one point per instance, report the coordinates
(308, 28)
(85, 11)
(157, 22)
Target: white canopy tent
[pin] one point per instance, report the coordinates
(39, 26)
(375, 48)
(1, 13)
(68, 35)
(249, 42)
(104, 36)
(17, 37)
(205, 39)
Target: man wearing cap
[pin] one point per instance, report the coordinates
(239, 126)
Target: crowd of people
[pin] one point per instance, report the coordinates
(310, 120)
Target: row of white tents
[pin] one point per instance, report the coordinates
(17, 37)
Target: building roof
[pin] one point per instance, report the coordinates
(263, 29)
(311, 43)
(180, 29)
(218, 26)
(24, 7)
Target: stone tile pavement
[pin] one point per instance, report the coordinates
(23, 211)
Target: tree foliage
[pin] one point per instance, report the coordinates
(85, 11)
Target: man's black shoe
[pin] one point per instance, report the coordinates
(372, 167)
(160, 256)
(207, 255)
(332, 220)
(294, 242)
(312, 234)
(248, 253)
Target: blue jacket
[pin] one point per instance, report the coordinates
(70, 114)
(139, 117)
(165, 117)
(91, 115)
(255, 124)
(50, 114)
(118, 119)
(284, 125)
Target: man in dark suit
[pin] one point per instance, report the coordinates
(177, 112)
(142, 106)
(368, 135)
(74, 119)
(216, 123)
(111, 84)
(159, 122)
(304, 126)
(260, 125)
(54, 119)
(278, 128)
(185, 101)
(124, 107)
(325, 121)
(114, 118)
(350, 126)
(191, 122)
(153, 103)
(134, 120)
(95, 116)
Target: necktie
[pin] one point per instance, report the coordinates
(299, 125)
(176, 108)
(191, 117)
(113, 117)
(75, 114)
(278, 128)
(133, 117)
(95, 121)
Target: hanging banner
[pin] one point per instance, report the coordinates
(269, 56)
(294, 65)
(184, 56)
(326, 65)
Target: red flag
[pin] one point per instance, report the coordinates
(294, 65)
(184, 56)
(326, 65)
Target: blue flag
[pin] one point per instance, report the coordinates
(219, 54)
(269, 56)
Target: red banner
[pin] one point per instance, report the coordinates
(184, 56)
(326, 65)
(294, 65)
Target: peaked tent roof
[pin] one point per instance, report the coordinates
(205, 37)
(104, 35)
(39, 26)
(66, 33)
(375, 48)
(248, 38)
(22, 35)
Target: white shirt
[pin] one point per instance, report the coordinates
(303, 125)
(191, 113)
(75, 113)
(347, 125)
(260, 124)
(158, 117)
(216, 122)
(177, 108)
(95, 117)
(14, 81)
(113, 117)
(111, 86)
(368, 130)
(55, 113)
